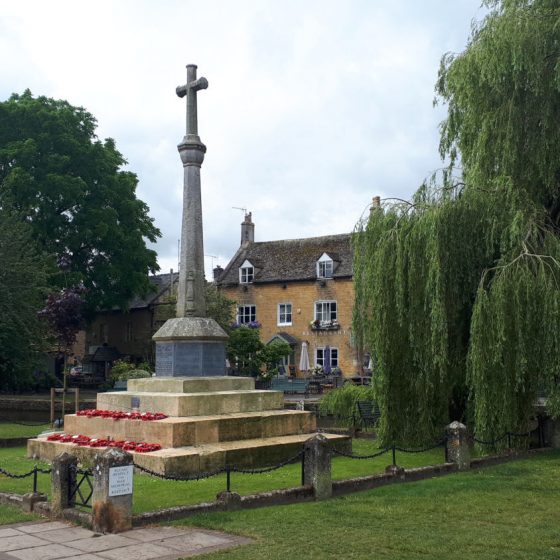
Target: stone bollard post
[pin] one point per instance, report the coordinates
(63, 477)
(112, 491)
(317, 466)
(552, 432)
(457, 449)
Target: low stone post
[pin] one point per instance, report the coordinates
(552, 432)
(63, 477)
(457, 449)
(317, 466)
(112, 491)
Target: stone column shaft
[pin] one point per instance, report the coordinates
(191, 301)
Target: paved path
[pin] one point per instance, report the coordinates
(50, 540)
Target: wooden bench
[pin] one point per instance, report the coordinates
(368, 414)
(293, 386)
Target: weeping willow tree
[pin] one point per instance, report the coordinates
(458, 290)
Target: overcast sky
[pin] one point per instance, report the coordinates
(313, 107)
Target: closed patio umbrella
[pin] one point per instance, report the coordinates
(327, 368)
(304, 358)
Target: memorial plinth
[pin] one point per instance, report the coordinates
(190, 346)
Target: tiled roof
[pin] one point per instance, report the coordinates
(160, 282)
(291, 259)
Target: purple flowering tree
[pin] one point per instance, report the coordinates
(63, 314)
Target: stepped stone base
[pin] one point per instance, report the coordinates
(201, 458)
(192, 404)
(179, 432)
(190, 384)
(213, 422)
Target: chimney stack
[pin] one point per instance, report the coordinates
(217, 272)
(247, 230)
(376, 202)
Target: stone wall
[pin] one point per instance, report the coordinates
(302, 296)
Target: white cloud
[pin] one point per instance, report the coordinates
(313, 106)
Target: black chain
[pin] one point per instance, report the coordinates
(13, 475)
(197, 476)
(422, 449)
(267, 469)
(497, 440)
(353, 456)
(9, 421)
(493, 442)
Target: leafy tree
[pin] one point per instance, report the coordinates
(246, 350)
(219, 307)
(457, 291)
(23, 285)
(81, 205)
(273, 353)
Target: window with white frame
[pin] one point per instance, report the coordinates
(325, 267)
(322, 355)
(284, 314)
(325, 311)
(246, 314)
(246, 273)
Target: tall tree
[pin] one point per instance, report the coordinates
(458, 291)
(23, 286)
(81, 205)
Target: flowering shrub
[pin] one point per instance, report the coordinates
(251, 325)
(316, 324)
(317, 370)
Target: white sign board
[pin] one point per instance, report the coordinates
(120, 480)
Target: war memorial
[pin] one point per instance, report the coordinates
(211, 420)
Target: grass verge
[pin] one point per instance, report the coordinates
(12, 514)
(509, 511)
(11, 430)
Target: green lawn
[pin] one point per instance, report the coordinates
(10, 430)
(509, 511)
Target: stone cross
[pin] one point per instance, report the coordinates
(189, 89)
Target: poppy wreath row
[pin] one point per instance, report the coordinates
(118, 415)
(85, 441)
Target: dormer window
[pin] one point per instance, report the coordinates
(246, 273)
(325, 267)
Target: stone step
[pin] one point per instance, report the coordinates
(180, 461)
(192, 404)
(248, 453)
(190, 384)
(195, 430)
